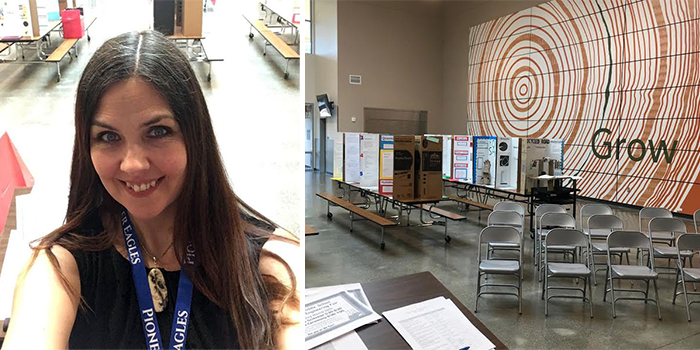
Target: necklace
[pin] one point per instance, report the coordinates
(156, 281)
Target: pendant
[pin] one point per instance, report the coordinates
(159, 292)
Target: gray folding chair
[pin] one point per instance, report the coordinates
(599, 227)
(505, 218)
(690, 242)
(500, 234)
(646, 215)
(509, 206)
(548, 222)
(562, 237)
(696, 220)
(539, 211)
(675, 227)
(589, 210)
(630, 240)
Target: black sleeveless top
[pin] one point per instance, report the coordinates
(113, 321)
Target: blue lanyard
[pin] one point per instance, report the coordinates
(181, 317)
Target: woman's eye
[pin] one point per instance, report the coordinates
(159, 131)
(108, 137)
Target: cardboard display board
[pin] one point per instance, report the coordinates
(446, 154)
(386, 164)
(338, 156)
(462, 166)
(485, 160)
(428, 152)
(192, 17)
(351, 171)
(403, 167)
(507, 155)
(539, 157)
(369, 161)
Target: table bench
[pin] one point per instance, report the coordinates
(309, 231)
(355, 210)
(275, 41)
(5, 46)
(64, 48)
(433, 210)
(469, 202)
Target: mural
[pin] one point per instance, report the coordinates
(618, 80)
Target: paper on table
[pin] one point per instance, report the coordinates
(350, 341)
(328, 315)
(353, 288)
(436, 324)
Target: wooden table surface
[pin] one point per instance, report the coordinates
(401, 291)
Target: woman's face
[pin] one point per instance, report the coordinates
(137, 148)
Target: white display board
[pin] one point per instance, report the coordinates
(369, 161)
(15, 18)
(540, 151)
(352, 158)
(485, 160)
(507, 152)
(462, 162)
(338, 150)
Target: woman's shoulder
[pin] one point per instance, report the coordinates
(284, 248)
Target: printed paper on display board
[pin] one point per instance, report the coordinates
(386, 164)
(338, 151)
(484, 160)
(369, 161)
(352, 158)
(462, 158)
(447, 156)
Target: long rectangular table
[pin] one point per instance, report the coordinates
(401, 291)
(483, 193)
(382, 201)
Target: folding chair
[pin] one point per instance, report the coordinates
(539, 211)
(505, 218)
(589, 210)
(668, 225)
(690, 242)
(548, 222)
(500, 234)
(630, 240)
(599, 227)
(562, 237)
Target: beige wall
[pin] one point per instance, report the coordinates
(321, 68)
(396, 46)
(411, 55)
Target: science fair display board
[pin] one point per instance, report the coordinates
(386, 164)
(369, 161)
(351, 171)
(462, 162)
(484, 160)
(404, 176)
(507, 154)
(338, 156)
(428, 151)
(539, 157)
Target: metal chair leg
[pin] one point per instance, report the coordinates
(685, 296)
(590, 297)
(656, 297)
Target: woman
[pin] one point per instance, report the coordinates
(152, 220)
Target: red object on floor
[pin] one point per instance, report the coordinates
(13, 175)
(73, 25)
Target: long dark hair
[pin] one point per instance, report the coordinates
(226, 233)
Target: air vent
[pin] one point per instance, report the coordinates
(355, 79)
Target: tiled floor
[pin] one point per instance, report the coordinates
(255, 111)
(336, 256)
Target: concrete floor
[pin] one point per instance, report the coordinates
(257, 117)
(336, 256)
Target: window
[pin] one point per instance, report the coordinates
(307, 28)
